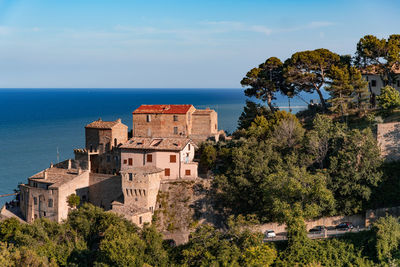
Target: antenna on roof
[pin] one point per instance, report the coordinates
(58, 156)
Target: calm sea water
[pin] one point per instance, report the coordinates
(35, 123)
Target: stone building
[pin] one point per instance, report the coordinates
(375, 82)
(102, 141)
(173, 155)
(175, 121)
(45, 195)
(140, 187)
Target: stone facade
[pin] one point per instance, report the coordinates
(118, 174)
(102, 141)
(173, 155)
(45, 194)
(175, 121)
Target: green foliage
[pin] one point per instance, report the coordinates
(379, 55)
(73, 201)
(309, 70)
(340, 90)
(265, 81)
(389, 99)
(250, 111)
(208, 156)
(211, 247)
(387, 231)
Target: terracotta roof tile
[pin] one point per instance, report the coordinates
(162, 109)
(374, 69)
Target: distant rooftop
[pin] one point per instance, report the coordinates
(126, 209)
(162, 109)
(156, 143)
(375, 69)
(100, 124)
(55, 176)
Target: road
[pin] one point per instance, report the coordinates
(316, 235)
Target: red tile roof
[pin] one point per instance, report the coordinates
(162, 109)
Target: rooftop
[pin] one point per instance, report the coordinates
(143, 170)
(203, 111)
(374, 69)
(55, 176)
(129, 209)
(176, 144)
(100, 124)
(162, 109)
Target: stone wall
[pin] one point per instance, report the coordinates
(160, 125)
(104, 189)
(388, 135)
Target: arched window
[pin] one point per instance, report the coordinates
(115, 142)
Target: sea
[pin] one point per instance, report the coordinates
(40, 126)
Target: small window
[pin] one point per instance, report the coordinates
(35, 200)
(187, 172)
(149, 158)
(135, 193)
(127, 192)
(172, 158)
(167, 172)
(130, 177)
(140, 219)
(44, 214)
(50, 203)
(130, 190)
(189, 147)
(144, 192)
(175, 117)
(115, 142)
(148, 118)
(125, 161)
(373, 83)
(175, 130)
(130, 160)
(215, 127)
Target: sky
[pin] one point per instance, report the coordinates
(172, 44)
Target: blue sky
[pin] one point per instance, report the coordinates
(174, 44)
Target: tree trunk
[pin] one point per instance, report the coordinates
(269, 103)
(321, 98)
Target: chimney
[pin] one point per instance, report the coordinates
(45, 174)
(51, 164)
(69, 164)
(119, 120)
(79, 171)
(99, 119)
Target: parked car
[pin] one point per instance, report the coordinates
(270, 234)
(317, 229)
(345, 226)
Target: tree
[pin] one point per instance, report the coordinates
(389, 99)
(387, 234)
(309, 71)
(354, 164)
(250, 111)
(265, 81)
(360, 89)
(73, 201)
(340, 90)
(379, 56)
